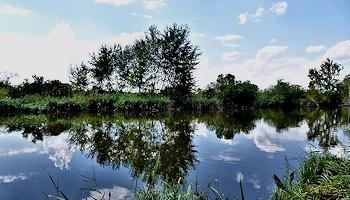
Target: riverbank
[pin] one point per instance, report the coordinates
(320, 176)
(102, 103)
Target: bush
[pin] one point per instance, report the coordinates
(283, 94)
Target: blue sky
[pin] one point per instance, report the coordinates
(261, 41)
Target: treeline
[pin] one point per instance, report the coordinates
(159, 62)
(156, 72)
(325, 90)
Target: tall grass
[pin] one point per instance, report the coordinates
(320, 176)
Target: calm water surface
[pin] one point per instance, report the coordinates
(119, 153)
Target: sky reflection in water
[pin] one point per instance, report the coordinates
(124, 152)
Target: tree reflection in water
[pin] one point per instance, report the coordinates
(160, 147)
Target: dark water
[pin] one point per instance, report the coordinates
(119, 153)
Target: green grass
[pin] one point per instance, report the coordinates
(101, 103)
(320, 176)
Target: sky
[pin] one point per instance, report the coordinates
(257, 40)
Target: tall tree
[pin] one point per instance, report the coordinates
(326, 79)
(102, 67)
(141, 72)
(78, 76)
(179, 58)
(326, 82)
(122, 63)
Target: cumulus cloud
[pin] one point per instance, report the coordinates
(50, 55)
(13, 10)
(340, 51)
(60, 153)
(230, 56)
(143, 16)
(258, 14)
(270, 51)
(268, 140)
(269, 64)
(279, 8)
(315, 49)
(115, 2)
(124, 38)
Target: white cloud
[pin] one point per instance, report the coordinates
(12, 10)
(229, 142)
(226, 156)
(153, 4)
(268, 140)
(314, 49)
(279, 8)
(115, 193)
(270, 52)
(59, 150)
(228, 37)
(115, 2)
(27, 150)
(143, 16)
(230, 56)
(258, 14)
(50, 55)
(12, 178)
(340, 51)
(272, 41)
(201, 130)
(125, 38)
(243, 18)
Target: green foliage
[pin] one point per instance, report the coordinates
(321, 176)
(102, 67)
(40, 87)
(232, 93)
(326, 82)
(178, 60)
(78, 76)
(283, 94)
(345, 89)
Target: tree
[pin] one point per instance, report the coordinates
(345, 89)
(5, 78)
(141, 72)
(233, 93)
(122, 63)
(102, 67)
(178, 60)
(326, 81)
(78, 76)
(283, 94)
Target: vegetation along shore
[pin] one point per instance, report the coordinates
(156, 73)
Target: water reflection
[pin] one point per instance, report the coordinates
(164, 147)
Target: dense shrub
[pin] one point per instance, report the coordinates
(283, 94)
(39, 86)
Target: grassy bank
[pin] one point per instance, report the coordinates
(102, 103)
(320, 176)
(85, 103)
